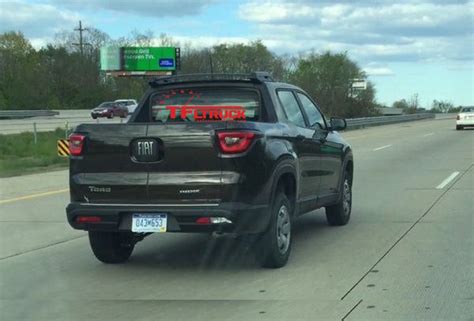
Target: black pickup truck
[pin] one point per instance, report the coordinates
(233, 153)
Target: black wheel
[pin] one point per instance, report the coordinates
(459, 127)
(110, 116)
(275, 244)
(340, 213)
(94, 117)
(111, 247)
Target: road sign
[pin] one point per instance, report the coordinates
(139, 59)
(149, 58)
(63, 148)
(360, 84)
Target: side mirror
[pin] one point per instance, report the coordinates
(338, 123)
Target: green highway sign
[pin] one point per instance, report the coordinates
(131, 59)
(149, 58)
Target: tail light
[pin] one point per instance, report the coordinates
(88, 219)
(235, 142)
(458, 117)
(203, 220)
(76, 144)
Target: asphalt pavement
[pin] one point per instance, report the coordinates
(407, 253)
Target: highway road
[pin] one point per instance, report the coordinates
(69, 118)
(407, 253)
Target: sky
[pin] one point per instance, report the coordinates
(408, 47)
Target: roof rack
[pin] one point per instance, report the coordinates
(258, 76)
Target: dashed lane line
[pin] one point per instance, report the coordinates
(382, 147)
(447, 180)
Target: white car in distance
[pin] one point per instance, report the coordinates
(131, 104)
(465, 118)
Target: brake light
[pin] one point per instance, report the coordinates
(88, 219)
(203, 220)
(458, 117)
(76, 144)
(235, 142)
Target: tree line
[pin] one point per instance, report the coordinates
(412, 106)
(58, 76)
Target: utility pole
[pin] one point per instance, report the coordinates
(81, 43)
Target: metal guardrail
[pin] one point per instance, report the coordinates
(18, 114)
(50, 124)
(353, 123)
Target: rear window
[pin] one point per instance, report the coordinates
(205, 104)
(467, 110)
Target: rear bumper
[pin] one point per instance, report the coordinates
(245, 218)
(465, 122)
(98, 114)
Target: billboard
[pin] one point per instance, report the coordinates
(110, 58)
(139, 59)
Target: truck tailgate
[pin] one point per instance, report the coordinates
(106, 173)
(190, 170)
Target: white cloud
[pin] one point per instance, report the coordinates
(154, 8)
(378, 71)
(39, 43)
(408, 30)
(271, 11)
(204, 41)
(33, 19)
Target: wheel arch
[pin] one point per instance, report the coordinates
(285, 176)
(347, 165)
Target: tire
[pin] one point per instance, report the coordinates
(275, 244)
(459, 127)
(111, 247)
(339, 214)
(94, 117)
(110, 116)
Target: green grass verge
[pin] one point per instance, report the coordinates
(20, 155)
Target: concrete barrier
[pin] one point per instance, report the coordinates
(20, 114)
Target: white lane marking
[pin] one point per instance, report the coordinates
(447, 180)
(382, 147)
(429, 134)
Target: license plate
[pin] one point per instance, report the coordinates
(146, 223)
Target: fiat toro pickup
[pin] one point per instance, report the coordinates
(210, 153)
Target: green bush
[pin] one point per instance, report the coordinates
(20, 155)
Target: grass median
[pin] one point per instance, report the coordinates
(20, 155)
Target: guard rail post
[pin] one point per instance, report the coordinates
(35, 136)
